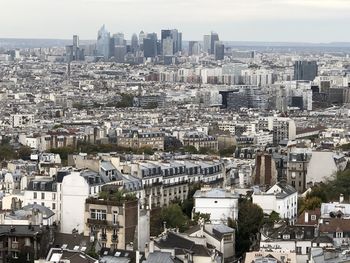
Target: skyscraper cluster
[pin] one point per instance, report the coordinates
(74, 52)
(145, 45)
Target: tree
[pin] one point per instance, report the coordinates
(227, 152)
(250, 220)
(174, 217)
(7, 152)
(190, 149)
(198, 215)
(24, 152)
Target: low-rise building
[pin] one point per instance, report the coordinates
(220, 204)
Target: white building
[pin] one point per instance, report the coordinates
(219, 203)
(281, 198)
(21, 120)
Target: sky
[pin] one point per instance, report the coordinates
(244, 20)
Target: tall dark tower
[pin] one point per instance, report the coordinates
(134, 43)
(213, 38)
(305, 70)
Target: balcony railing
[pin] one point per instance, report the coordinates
(102, 223)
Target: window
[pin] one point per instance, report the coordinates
(339, 234)
(298, 250)
(14, 239)
(228, 238)
(42, 203)
(27, 242)
(115, 217)
(53, 206)
(313, 217)
(98, 214)
(35, 196)
(42, 195)
(53, 196)
(14, 254)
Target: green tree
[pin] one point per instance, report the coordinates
(198, 215)
(250, 220)
(190, 149)
(7, 152)
(174, 217)
(24, 152)
(227, 152)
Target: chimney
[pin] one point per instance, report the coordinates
(306, 217)
(341, 198)
(151, 246)
(146, 250)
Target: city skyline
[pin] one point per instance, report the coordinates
(264, 20)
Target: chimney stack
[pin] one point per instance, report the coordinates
(306, 217)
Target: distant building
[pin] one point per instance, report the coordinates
(103, 43)
(305, 70)
(206, 44)
(200, 140)
(119, 53)
(136, 140)
(214, 37)
(219, 50)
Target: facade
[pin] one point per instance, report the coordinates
(221, 204)
(281, 198)
(305, 70)
(219, 51)
(200, 140)
(112, 223)
(21, 120)
(23, 243)
(297, 170)
(136, 140)
(265, 172)
(103, 43)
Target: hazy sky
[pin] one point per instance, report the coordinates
(241, 20)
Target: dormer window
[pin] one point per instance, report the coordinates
(313, 217)
(286, 236)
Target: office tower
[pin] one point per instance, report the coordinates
(206, 44)
(74, 52)
(193, 48)
(75, 41)
(176, 38)
(150, 45)
(179, 41)
(219, 50)
(69, 53)
(213, 38)
(168, 47)
(134, 43)
(142, 35)
(103, 43)
(305, 70)
(120, 52)
(118, 39)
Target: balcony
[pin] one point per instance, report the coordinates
(115, 238)
(102, 223)
(14, 245)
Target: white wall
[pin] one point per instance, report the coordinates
(218, 208)
(75, 190)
